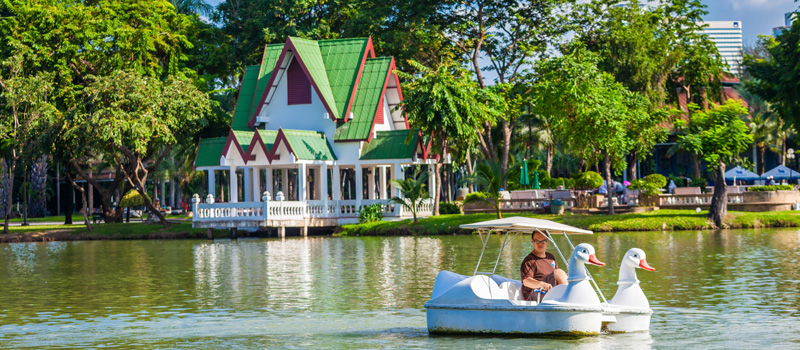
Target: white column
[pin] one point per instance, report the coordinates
(172, 201)
(398, 175)
(256, 184)
(382, 181)
(336, 181)
(302, 183)
(268, 182)
(234, 185)
(211, 183)
(359, 185)
(161, 197)
(371, 182)
(432, 180)
(285, 182)
(323, 183)
(248, 183)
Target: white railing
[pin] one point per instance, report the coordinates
(696, 199)
(297, 210)
(229, 211)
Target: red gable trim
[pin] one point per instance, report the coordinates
(257, 141)
(389, 74)
(232, 140)
(289, 46)
(281, 137)
(367, 52)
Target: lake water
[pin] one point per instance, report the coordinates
(723, 289)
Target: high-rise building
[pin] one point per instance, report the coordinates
(727, 35)
(787, 24)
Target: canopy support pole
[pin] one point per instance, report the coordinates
(502, 247)
(482, 249)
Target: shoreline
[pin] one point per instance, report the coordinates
(660, 220)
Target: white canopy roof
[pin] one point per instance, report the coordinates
(781, 172)
(525, 225)
(741, 174)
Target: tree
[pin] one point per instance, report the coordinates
(718, 135)
(591, 111)
(641, 47)
(775, 78)
(489, 177)
(131, 199)
(413, 192)
(445, 103)
(25, 102)
(137, 120)
(511, 34)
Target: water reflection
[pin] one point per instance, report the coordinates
(709, 287)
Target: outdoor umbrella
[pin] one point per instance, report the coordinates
(535, 180)
(523, 174)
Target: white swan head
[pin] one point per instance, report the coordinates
(584, 253)
(636, 258)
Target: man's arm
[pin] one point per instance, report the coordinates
(531, 283)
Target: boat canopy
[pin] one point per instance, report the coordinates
(522, 224)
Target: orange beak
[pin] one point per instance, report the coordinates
(593, 260)
(643, 264)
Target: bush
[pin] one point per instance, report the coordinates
(656, 179)
(132, 199)
(588, 180)
(449, 208)
(370, 213)
(700, 182)
(770, 188)
(554, 182)
(645, 187)
(475, 197)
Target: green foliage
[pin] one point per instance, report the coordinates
(719, 134)
(645, 187)
(489, 177)
(656, 179)
(413, 192)
(554, 182)
(699, 182)
(370, 213)
(476, 197)
(131, 199)
(449, 208)
(588, 180)
(776, 76)
(770, 188)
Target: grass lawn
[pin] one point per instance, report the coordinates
(649, 221)
(131, 230)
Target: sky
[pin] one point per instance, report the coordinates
(757, 16)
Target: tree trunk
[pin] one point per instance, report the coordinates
(607, 175)
(633, 167)
(438, 194)
(10, 198)
(696, 172)
(85, 208)
(719, 202)
(507, 126)
(548, 159)
(68, 209)
(783, 151)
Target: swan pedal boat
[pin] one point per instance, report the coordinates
(486, 303)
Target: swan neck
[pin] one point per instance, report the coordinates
(627, 275)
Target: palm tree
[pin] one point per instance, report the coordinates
(489, 177)
(762, 121)
(413, 192)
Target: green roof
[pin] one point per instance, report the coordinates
(209, 151)
(271, 55)
(243, 138)
(393, 144)
(309, 145)
(342, 59)
(367, 100)
(241, 115)
(268, 136)
(309, 52)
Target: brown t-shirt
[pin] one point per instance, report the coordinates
(540, 269)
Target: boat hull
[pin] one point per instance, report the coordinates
(630, 322)
(513, 321)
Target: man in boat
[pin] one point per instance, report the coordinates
(539, 269)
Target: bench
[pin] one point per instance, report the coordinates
(98, 216)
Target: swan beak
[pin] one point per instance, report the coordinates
(643, 264)
(593, 260)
